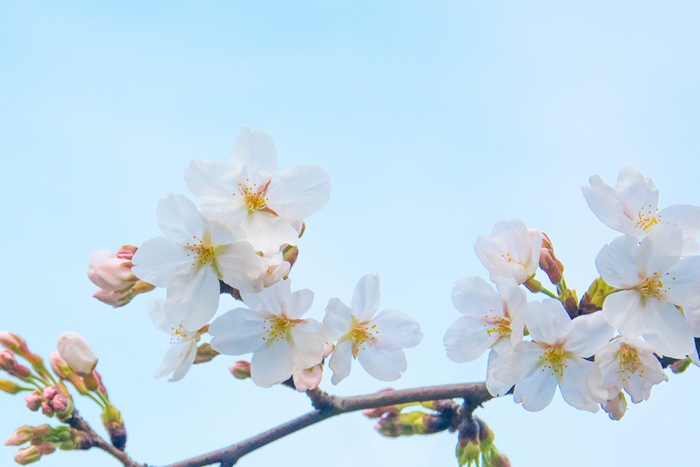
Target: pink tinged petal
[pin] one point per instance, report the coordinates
(341, 361)
(626, 312)
(589, 333)
(660, 250)
(494, 262)
(536, 391)
(179, 218)
(268, 232)
(272, 364)
(365, 298)
(239, 266)
(238, 332)
(519, 364)
(467, 339)
(495, 387)
(299, 191)
(338, 320)
(255, 156)
(383, 363)
(215, 183)
(548, 322)
(582, 385)
(602, 200)
(306, 379)
(307, 340)
(399, 328)
(297, 303)
(667, 330)
(193, 298)
(158, 259)
(157, 314)
(616, 263)
(263, 302)
(683, 282)
(179, 358)
(473, 296)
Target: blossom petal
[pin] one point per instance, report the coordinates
(299, 191)
(239, 266)
(254, 156)
(215, 183)
(616, 263)
(365, 299)
(536, 391)
(308, 340)
(495, 387)
(625, 312)
(179, 358)
(548, 321)
(660, 250)
(268, 232)
(297, 303)
(158, 259)
(399, 328)
(193, 298)
(265, 301)
(341, 361)
(683, 281)
(383, 363)
(466, 340)
(582, 385)
(519, 364)
(237, 332)
(667, 330)
(602, 200)
(473, 296)
(157, 314)
(179, 218)
(272, 364)
(589, 333)
(338, 320)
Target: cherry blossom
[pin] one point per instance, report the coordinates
(377, 342)
(652, 281)
(112, 274)
(180, 356)
(630, 364)
(192, 258)
(75, 350)
(272, 328)
(492, 320)
(555, 356)
(309, 378)
(270, 206)
(632, 207)
(512, 249)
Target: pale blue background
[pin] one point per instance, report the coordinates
(435, 120)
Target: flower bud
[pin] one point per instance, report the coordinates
(593, 299)
(27, 455)
(205, 354)
(549, 262)
(10, 365)
(79, 440)
(533, 285)
(100, 385)
(10, 387)
(64, 372)
(240, 369)
(126, 252)
(308, 378)
(113, 423)
(34, 400)
(112, 274)
(616, 407)
(290, 254)
(19, 347)
(20, 436)
(75, 350)
(46, 448)
(680, 366)
(56, 401)
(378, 412)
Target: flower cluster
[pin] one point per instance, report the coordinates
(649, 288)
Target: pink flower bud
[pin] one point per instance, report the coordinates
(20, 436)
(307, 379)
(27, 455)
(11, 341)
(46, 448)
(115, 299)
(126, 252)
(59, 367)
(33, 400)
(10, 365)
(100, 385)
(240, 369)
(109, 272)
(75, 350)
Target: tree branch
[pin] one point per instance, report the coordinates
(77, 422)
(474, 394)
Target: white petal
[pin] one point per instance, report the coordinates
(264, 301)
(239, 266)
(237, 332)
(365, 299)
(637, 193)
(536, 391)
(582, 385)
(157, 314)
(548, 322)
(158, 259)
(625, 312)
(399, 328)
(683, 282)
(341, 361)
(308, 341)
(660, 250)
(255, 156)
(267, 232)
(297, 303)
(466, 340)
(272, 364)
(512, 294)
(177, 356)
(667, 330)
(338, 320)
(383, 363)
(215, 183)
(308, 378)
(602, 200)
(222, 228)
(519, 364)
(299, 191)
(589, 333)
(193, 298)
(616, 263)
(495, 387)
(179, 218)
(473, 296)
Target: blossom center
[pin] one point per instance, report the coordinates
(203, 252)
(507, 258)
(278, 328)
(179, 334)
(554, 360)
(654, 287)
(498, 324)
(629, 362)
(362, 335)
(253, 196)
(646, 217)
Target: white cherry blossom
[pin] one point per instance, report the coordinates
(632, 207)
(274, 267)
(191, 259)
(512, 249)
(630, 364)
(653, 280)
(555, 356)
(377, 342)
(180, 356)
(492, 320)
(269, 206)
(272, 328)
(76, 351)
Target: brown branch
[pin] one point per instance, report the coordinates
(77, 422)
(474, 394)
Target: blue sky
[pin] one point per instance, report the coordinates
(435, 120)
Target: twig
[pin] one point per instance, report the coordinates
(80, 424)
(474, 394)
